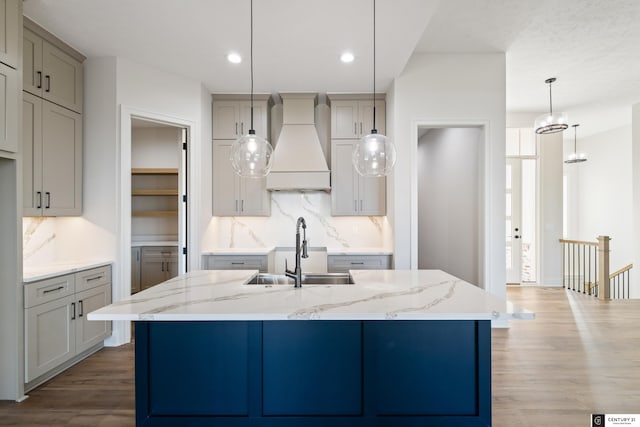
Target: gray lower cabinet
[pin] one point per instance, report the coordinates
(344, 263)
(236, 262)
(135, 270)
(157, 264)
(57, 332)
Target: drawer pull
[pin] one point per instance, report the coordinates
(357, 263)
(90, 279)
(46, 291)
(237, 263)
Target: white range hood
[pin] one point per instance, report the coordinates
(298, 160)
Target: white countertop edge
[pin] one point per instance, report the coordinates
(266, 317)
(358, 251)
(47, 271)
(239, 251)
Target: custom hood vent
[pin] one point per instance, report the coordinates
(298, 160)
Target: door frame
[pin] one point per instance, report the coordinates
(121, 283)
(486, 262)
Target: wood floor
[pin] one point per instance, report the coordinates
(580, 356)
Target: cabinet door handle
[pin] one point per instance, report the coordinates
(48, 79)
(236, 128)
(242, 205)
(73, 311)
(360, 204)
(162, 266)
(39, 85)
(46, 291)
(39, 200)
(48, 205)
(80, 310)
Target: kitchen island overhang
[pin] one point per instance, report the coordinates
(397, 348)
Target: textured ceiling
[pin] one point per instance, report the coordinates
(590, 46)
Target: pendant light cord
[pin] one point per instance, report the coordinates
(374, 130)
(550, 103)
(251, 130)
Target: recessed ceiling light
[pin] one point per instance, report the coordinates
(234, 58)
(347, 57)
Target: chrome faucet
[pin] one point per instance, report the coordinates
(301, 252)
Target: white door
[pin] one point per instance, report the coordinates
(513, 220)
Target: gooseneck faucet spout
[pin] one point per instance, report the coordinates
(301, 252)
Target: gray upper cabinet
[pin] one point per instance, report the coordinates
(52, 159)
(353, 119)
(49, 71)
(9, 32)
(232, 118)
(232, 195)
(351, 193)
(9, 105)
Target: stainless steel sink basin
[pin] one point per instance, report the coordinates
(307, 279)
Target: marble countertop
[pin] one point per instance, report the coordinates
(47, 271)
(240, 251)
(376, 295)
(359, 251)
(138, 243)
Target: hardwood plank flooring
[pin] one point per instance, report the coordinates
(580, 356)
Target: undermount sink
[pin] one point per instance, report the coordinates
(307, 279)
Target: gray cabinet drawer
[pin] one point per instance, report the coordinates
(344, 263)
(159, 251)
(237, 262)
(48, 290)
(91, 278)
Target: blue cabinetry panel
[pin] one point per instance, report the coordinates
(198, 368)
(314, 373)
(422, 368)
(312, 368)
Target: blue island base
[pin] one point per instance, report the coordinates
(313, 373)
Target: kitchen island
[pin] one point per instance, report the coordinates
(397, 348)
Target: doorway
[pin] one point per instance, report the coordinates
(158, 182)
(449, 202)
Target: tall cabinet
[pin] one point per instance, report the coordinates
(351, 119)
(233, 195)
(9, 95)
(51, 125)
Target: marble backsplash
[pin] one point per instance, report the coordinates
(38, 240)
(279, 229)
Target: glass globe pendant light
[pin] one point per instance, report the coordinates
(576, 157)
(374, 155)
(552, 122)
(251, 155)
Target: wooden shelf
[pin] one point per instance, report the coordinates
(155, 192)
(154, 213)
(154, 171)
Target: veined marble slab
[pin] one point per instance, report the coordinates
(46, 271)
(376, 295)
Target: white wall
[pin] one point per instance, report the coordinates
(550, 182)
(635, 185)
(155, 147)
(602, 187)
(448, 188)
(452, 89)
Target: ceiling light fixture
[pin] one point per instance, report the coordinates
(552, 122)
(234, 58)
(374, 155)
(347, 57)
(251, 155)
(576, 157)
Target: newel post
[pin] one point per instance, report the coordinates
(604, 288)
